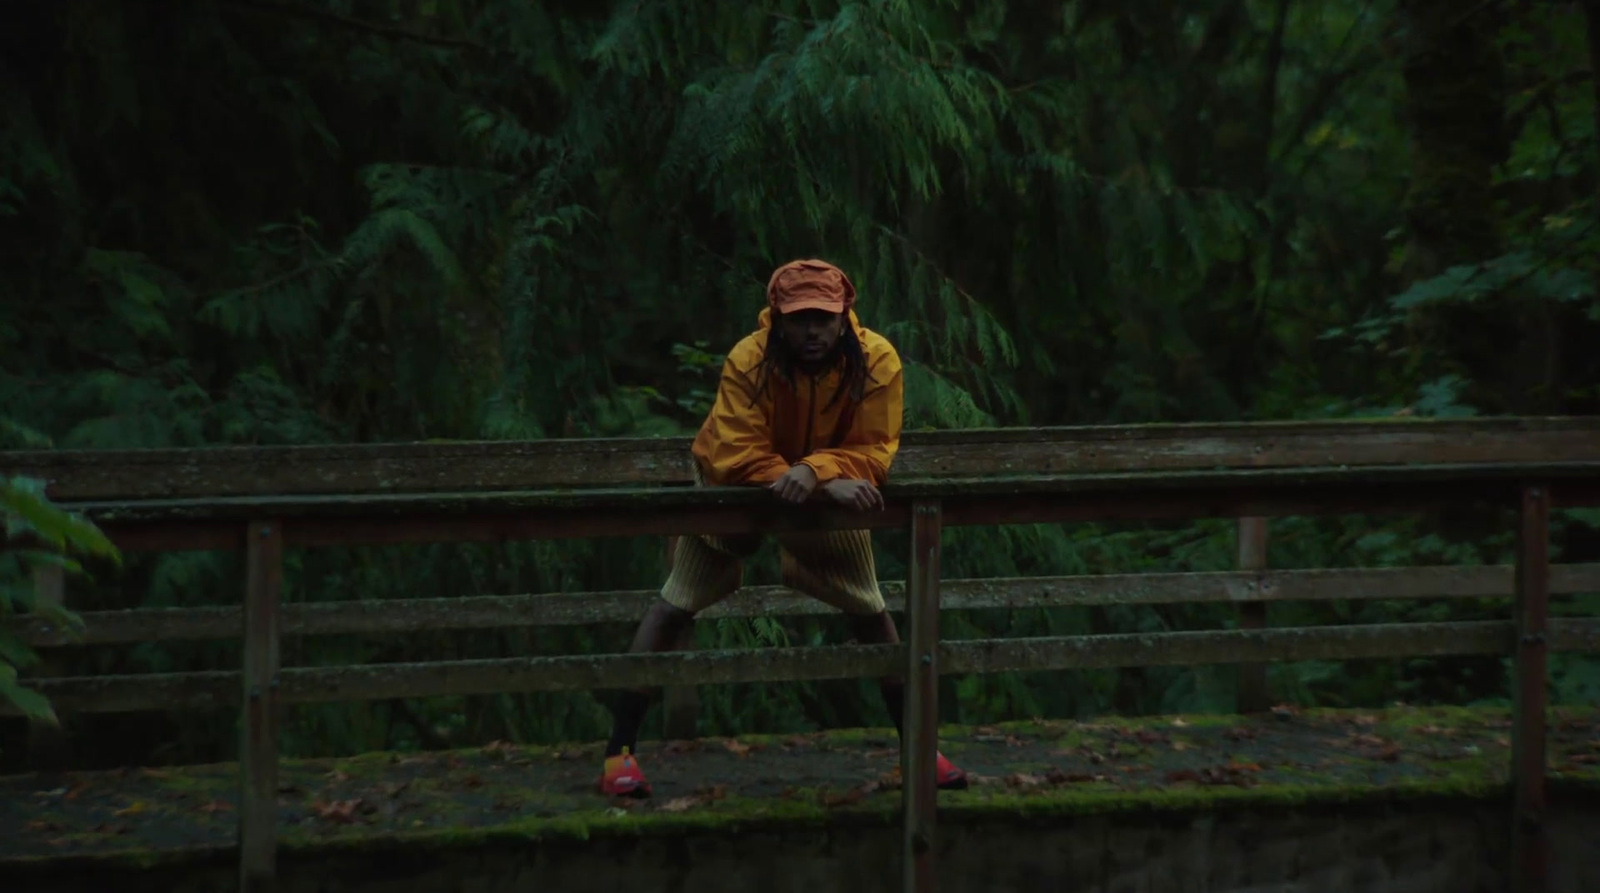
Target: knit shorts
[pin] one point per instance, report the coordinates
(833, 566)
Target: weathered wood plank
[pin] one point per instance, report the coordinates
(75, 475)
(1530, 844)
(1252, 696)
(381, 616)
(480, 516)
(47, 741)
(258, 719)
(919, 791)
(302, 685)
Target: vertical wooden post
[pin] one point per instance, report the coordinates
(1529, 845)
(47, 742)
(918, 752)
(1252, 691)
(680, 704)
(258, 726)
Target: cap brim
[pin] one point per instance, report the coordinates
(832, 306)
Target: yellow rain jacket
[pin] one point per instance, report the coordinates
(754, 438)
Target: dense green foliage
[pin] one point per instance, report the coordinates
(270, 221)
(41, 540)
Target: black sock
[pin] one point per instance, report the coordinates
(894, 698)
(626, 717)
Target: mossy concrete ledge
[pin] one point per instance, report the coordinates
(1406, 799)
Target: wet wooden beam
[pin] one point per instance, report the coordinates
(386, 616)
(89, 475)
(919, 791)
(258, 721)
(1251, 696)
(559, 514)
(1530, 838)
(305, 685)
(47, 743)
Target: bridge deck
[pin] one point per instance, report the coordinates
(156, 815)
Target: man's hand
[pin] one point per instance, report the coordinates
(859, 495)
(796, 484)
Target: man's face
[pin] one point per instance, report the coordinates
(811, 334)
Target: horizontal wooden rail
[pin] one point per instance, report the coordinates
(563, 514)
(380, 616)
(74, 475)
(305, 685)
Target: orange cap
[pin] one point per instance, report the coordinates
(810, 285)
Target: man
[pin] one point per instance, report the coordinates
(808, 405)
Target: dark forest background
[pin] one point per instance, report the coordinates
(298, 221)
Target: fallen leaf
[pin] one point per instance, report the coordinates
(499, 747)
(1180, 746)
(1146, 736)
(1056, 776)
(340, 811)
(737, 748)
(1025, 782)
(849, 797)
(107, 828)
(1368, 740)
(1364, 719)
(393, 789)
(154, 773)
(1180, 723)
(1240, 733)
(336, 776)
(134, 808)
(472, 781)
(1242, 767)
(1179, 776)
(1502, 741)
(883, 752)
(975, 779)
(680, 804)
(988, 730)
(216, 806)
(42, 825)
(1388, 755)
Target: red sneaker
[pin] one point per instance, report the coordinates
(947, 776)
(622, 777)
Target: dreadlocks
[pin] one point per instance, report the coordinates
(778, 359)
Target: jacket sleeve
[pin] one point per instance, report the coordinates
(874, 439)
(736, 445)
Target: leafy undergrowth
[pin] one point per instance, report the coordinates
(503, 790)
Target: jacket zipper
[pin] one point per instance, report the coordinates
(811, 412)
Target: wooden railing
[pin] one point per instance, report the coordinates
(263, 500)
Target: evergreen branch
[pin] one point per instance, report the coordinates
(297, 273)
(388, 32)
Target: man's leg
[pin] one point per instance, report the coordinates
(704, 570)
(838, 567)
(661, 629)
